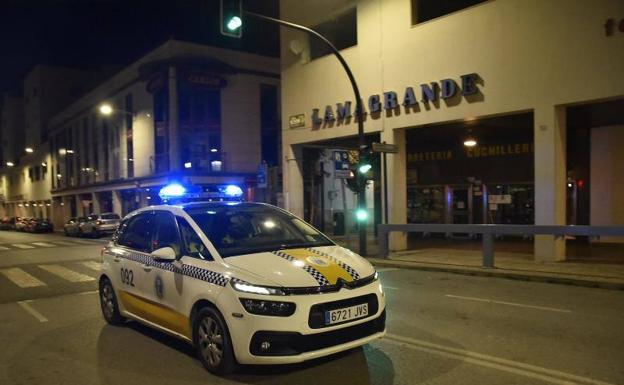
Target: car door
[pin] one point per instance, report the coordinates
(134, 241)
(164, 281)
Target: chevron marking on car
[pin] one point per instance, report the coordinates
(326, 271)
(352, 272)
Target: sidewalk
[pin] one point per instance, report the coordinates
(508, 265)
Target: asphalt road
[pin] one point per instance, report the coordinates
(442, 329)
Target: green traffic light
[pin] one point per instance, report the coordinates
(361, 215)
(234, 23)
(365, 168)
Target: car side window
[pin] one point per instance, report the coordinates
(193, 245)
(167, 234)
(136, 233)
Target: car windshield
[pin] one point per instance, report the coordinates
(245, 229)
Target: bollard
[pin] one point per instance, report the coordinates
(488, 250)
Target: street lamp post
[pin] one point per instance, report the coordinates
(359, 114)
(107, 110)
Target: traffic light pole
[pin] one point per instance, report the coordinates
(359, 111)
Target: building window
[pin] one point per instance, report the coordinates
(340, 31)
(129, 145)
(84, 152)
(160, 162)
(106, 148)
(424, 10)
(200, 127)
(269, 124)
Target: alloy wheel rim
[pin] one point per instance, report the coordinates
(211, 341)
(107, 301)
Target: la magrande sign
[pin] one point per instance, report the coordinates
(429, 93)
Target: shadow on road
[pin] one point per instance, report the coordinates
(139, 350)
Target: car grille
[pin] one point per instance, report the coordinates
(290, 344)
(316, 319)
(329, 288)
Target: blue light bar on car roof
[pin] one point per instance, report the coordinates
(233, 190)
(173, 190)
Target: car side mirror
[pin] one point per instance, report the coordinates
(164, 254)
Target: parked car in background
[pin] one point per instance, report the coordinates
(8, 223)
(40, 225)
(97, 225)
(21, 223)
(71, 227)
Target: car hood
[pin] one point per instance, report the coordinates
(303, 267)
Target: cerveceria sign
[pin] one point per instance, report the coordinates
(432, 92)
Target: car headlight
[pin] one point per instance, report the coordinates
(270, 308)
(255, 289)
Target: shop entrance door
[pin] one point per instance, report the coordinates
(461, 205)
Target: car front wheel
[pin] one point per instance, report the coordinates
(212, 341)
(108, 303)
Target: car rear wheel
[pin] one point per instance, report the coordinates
(108, 303)
(212, 341)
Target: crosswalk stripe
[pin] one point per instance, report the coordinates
(83, 242)
(66, 273)
(43, 244)
(4, 248)
(92, 265)
(22, 246)
(65, 243)
(21, 278)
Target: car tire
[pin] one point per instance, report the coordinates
(108, 303)
(212, 342)
(66, 233)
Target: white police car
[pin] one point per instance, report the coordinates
(244, 283)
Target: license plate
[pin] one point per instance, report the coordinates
(346, 314)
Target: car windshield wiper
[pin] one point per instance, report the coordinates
(304, 244)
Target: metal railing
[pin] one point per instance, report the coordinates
(488, 232)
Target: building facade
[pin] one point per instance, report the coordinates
(503, 111)
(184, 112)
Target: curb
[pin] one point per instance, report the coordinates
(574, 280)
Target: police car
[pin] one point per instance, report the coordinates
(244, 283)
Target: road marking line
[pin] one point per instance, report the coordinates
(84, 242)
(390, 287)
(66, 273)
(43, 244)
(65, 243)
(510, 303)
(26, 306)
(516, 367)
(21, 278)
(22, 246)
(97, 266)
(4, 248)
(387, 269)
(88, 292)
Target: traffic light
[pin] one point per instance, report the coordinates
(232, 18)
(365, 163)
(361, 215)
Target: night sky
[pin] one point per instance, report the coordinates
(92, 33)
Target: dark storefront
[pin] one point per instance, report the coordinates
(490, 182)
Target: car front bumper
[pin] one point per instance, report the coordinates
(292, 339)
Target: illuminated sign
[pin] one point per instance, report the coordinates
(473, 152)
